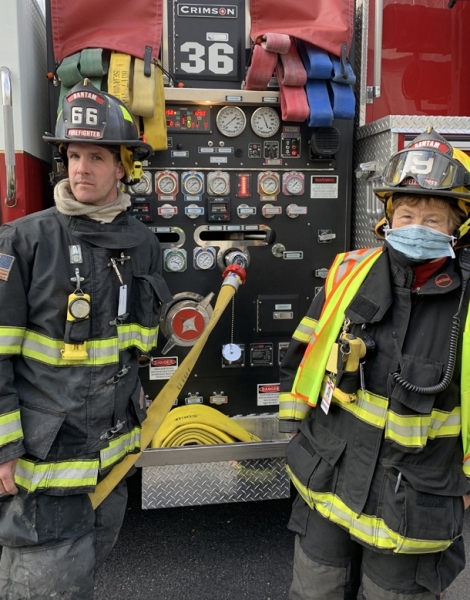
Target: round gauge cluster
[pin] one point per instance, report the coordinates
(167, 184)
(231, 121)
(265, 121)
(193, 184)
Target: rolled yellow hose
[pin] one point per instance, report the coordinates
(163, 402)
(195, 423)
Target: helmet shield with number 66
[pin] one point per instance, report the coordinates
(91, 116)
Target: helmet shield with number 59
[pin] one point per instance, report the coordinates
(429, 166)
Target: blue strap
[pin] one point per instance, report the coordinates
(316, 61)
(321, 113)
(342, 72)
(342, 100)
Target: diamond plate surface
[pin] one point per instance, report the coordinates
(214, 483)
(414, 124)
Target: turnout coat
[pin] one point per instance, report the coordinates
(391, 467)
(69, 421)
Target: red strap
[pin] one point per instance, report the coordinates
(261, 69)
(294, 105)
(290, 69)
(276, 42)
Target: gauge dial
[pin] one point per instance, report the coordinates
(166, 184)
(80, 308)
(265, 122)
(295, 185)
(205, 259)
(230, 121)
(269, 185)
(143, 186)
(218, 186)
(193, 185)
(174, 260)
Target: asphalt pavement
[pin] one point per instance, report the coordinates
(239, 551)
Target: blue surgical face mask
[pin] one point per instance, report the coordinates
(420, 242)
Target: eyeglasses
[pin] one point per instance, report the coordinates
(430, 169)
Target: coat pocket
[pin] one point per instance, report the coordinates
(313, 458)
(149, 292)
(422, 373)
(420, 515)
(40, 428)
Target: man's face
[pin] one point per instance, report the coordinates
(434, 215)
(93, 173)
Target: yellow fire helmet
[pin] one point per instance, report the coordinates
(429, 166)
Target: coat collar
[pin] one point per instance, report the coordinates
(392, 269)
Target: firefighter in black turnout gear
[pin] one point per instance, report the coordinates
(375, 390)
(80, 291)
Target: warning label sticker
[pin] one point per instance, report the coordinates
(163, 367)
(268, 394)
(324, 186)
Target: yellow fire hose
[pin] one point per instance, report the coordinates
(163, 402)
(199, 425)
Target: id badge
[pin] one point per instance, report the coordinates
(326, 400)
(122, 309)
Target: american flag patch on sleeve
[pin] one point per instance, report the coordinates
(6, 263)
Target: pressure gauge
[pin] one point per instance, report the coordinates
(174, 260)
(166, 184)
(193, 185)
(218, 183)
(269, 184)
(79, 308)
(293, 183)
(230, 121)
(204, 259)
(265, 122)
(143, 186)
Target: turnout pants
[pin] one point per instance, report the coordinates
(329, 565)
(53, 545)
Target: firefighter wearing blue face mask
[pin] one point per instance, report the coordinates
(375, 389)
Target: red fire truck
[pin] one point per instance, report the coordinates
(242, 168)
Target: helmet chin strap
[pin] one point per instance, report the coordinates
(464, 228)
(132, 168)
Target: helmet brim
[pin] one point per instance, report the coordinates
(384, 193)
(142, 149)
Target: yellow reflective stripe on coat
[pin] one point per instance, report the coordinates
(312, 368)
(413, 431)
(10, 427)
(48, 350)
(100, 352)
(367, 528)
(119, 447)
(465, 395)
(11, 339)
(67, 474)
(132, 334)
(292, 408)
(305, 329)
